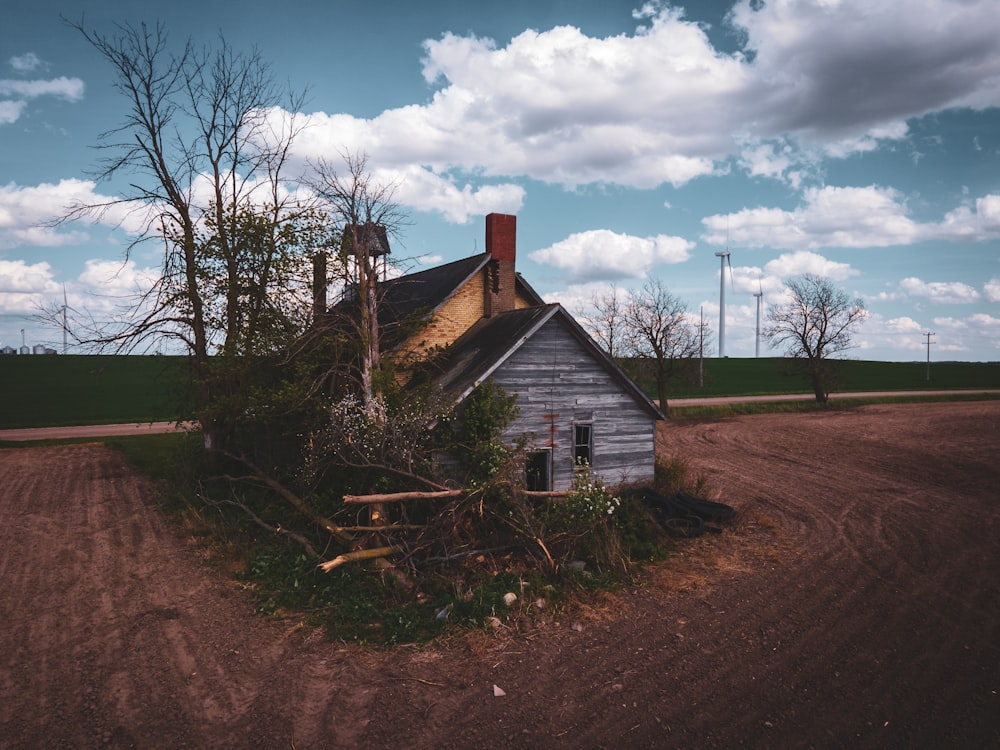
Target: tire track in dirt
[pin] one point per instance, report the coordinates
(114, 636)
(854, 601)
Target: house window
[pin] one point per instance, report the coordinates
(583, 444)
(538, 470)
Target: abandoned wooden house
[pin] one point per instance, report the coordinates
(481, 320)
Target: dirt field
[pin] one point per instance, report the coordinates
(854, 603)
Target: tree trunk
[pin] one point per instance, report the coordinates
(819, 384)
(661, 388)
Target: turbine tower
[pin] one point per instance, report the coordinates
(723, 256)
(760, 296)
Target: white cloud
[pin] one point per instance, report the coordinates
(767, 159)
(116, 278)
(903, 326)
(423, 190)
(27, 213)
(795, 264)
(979, 332)
(603, 254)
(662, 105)
(991, 290)
(977, 222)
(941, 292)
(856, 217)
(830, 217)
(17, 92)
(26, 63)
(70, 89)
(10, 111)
(24, 287)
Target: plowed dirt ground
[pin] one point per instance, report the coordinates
(854, 602)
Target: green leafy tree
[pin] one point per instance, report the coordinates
(204, 158)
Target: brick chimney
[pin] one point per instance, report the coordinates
(501, 246)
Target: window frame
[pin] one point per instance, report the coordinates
(583, 444)
(545, 454)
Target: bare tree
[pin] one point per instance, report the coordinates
(818, 322)
(366, 215)
(605, 321)
(658, 330)
(205, 156)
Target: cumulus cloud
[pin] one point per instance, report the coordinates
(663, 105)
(843, 69)
(15, 93)
(10, 111)
(978, 332)
(904, 325)
(70, 89)
(24, 287)
(603, 254)
(116, 278)
(423, 190)
(991, 290)
(802, 262)
(941, 292)
(25, 63)
(850, 217)
(979, 221)
(829, 217)
(27, 213)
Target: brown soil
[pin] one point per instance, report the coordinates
(855, 601)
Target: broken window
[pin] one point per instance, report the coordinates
(538, 469)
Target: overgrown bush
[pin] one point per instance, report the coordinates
(673, 474)
(456, 560)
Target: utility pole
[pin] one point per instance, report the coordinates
(701, 349)
(760, 296)
(928, 335)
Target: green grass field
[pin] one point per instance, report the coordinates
(45, 391)
(774, 375)
(49, 391)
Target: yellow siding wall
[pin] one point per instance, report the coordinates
(454, 318)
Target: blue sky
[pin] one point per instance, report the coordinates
(857, 139)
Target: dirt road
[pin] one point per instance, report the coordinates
(855, 602)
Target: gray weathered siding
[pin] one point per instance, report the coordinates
(559, 383)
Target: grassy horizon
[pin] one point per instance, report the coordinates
(62, 390)
(77, 389)
(763, 376)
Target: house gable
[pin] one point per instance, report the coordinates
(567, 390)
(564, 391)
(476, 318)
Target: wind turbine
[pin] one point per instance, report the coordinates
(723, 256)
(760, 296)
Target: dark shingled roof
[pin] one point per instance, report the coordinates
(426, 291)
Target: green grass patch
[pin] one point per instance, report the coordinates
(52, 391)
